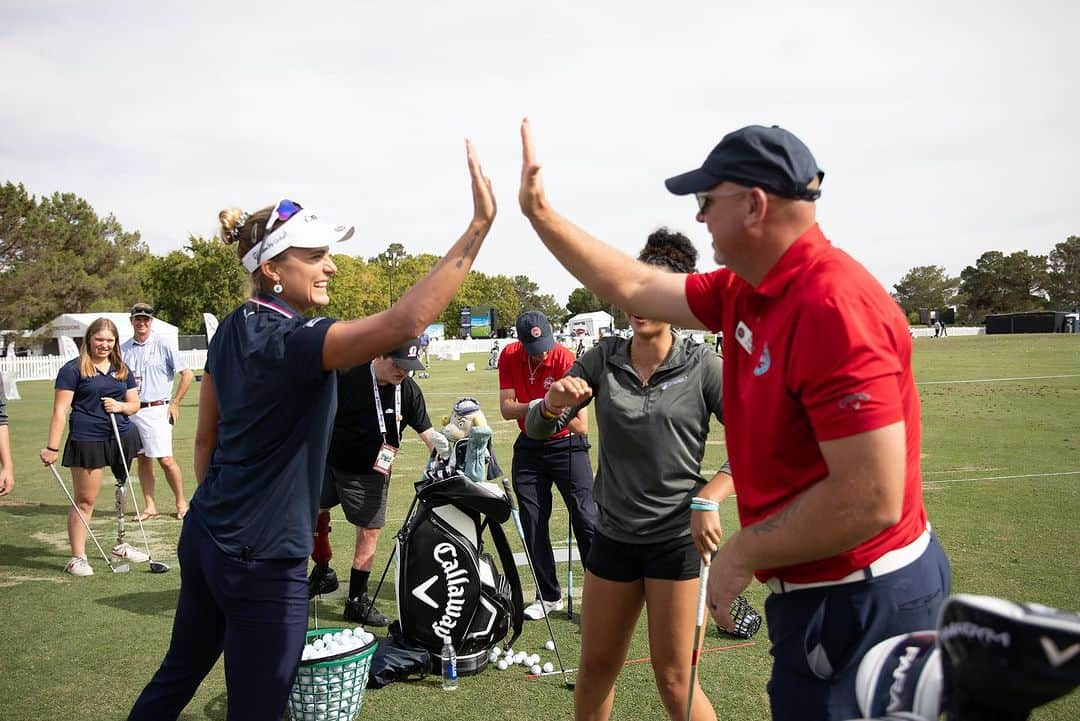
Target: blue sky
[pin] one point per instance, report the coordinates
(945, 129)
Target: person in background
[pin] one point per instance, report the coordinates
(822, 416)
(155, 362)
(266, 404)
(92, 387)
(654, 396)
(527, 369)
(376, 401)
(7, 466)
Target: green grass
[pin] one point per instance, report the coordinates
(83, 648)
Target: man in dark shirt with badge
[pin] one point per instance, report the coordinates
(375, 403)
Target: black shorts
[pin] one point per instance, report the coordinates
(674, 560)
(99, 454)
(362, 495)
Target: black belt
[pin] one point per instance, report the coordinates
(153, 403)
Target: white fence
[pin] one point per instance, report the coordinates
(45, 367)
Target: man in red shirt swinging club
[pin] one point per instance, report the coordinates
(820, 408)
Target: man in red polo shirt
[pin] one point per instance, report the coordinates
(526, 370)
(821, 412)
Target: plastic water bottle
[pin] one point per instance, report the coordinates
(449, 666)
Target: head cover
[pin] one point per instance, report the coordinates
(407, 356)
(534, 332)
(142, 309)
(758, 157)
(291, 226)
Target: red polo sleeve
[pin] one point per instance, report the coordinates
(703, 294)
(846, 368)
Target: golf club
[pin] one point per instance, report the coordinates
(120, 567)
(570, 531)
(155, 566)
(703, 581)
(528, 557)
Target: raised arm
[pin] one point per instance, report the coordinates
(609, 273)
(354, 342)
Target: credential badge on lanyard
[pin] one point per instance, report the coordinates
(744, 337)
(384, 459)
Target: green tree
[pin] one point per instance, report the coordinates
(530, 298)
(479, 289)
(1063, 281)
(358, 289)
(1000, 283)
(204, 277)
(583, 300)
(59, 256)
(925, 286)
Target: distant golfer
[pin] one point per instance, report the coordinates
(7, 466)
(820, 407)
(91, 387)
(155, 362)
(266, 405)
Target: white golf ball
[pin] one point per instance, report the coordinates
(346, 632)
(549, 645)
(509, 653)
(533, 660)
(548, 668)
(501, 665)
(535, 668)
(327, 637)
(319, 644)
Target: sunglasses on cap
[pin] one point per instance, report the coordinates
(284, 210)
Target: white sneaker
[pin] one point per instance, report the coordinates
(127, 552)
(535, 611)
(78, 566)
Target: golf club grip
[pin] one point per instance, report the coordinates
(702, 588)
(509, 496)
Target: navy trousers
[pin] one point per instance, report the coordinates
(253, 610)
(819, 635)
(564, 463)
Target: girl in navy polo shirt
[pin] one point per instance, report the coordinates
(266, 406)
(92, 386)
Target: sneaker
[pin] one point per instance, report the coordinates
(322, 580)
(127, 552)
(78, 566)
(535, 611)
(355, 608)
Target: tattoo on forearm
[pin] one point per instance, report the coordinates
(468, 248)
(775, 521)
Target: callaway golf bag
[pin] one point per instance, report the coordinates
(990, 659)
(447, 586)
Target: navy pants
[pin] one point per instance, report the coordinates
(564, 463)
(253, 610)
(819, 635)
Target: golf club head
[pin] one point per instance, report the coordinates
(120, 568)
(158, 567)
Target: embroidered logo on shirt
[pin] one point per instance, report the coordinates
(673, 382)
(764, 363)
(853, 400)
(312, 323)
(547, 382)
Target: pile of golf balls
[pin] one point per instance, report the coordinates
(505, 659)
(334, 644)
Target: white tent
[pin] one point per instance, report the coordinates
(590, 322)
(74, 325)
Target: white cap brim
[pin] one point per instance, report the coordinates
(303, 230)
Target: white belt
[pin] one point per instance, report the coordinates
(891, 561)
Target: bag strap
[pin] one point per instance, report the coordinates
(509, 569)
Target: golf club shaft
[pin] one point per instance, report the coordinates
(120, 494)
(703, 582)
(528, 558)
(82, 518)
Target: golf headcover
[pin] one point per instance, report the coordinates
(1002, 659)
(747, 621)
(322, 553)
(900, 678)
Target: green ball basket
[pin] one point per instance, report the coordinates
(331, 688)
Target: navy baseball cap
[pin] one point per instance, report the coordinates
(407, 355)
(534, 332)
(768, 158)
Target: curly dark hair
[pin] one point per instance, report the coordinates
(671, 250)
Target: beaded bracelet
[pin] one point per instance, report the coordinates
(546, 412)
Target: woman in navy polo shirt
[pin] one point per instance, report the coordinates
(92, 386)
(266, 406)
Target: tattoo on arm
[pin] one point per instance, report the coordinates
(775, 521)
(468, 249)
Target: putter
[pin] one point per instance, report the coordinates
(521, 533)
(118, 568)
(155, 566)
(703, 581)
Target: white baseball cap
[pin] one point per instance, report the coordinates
(291, 226)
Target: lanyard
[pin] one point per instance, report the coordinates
(379, 408)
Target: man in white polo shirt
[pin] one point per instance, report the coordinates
(155, 363)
